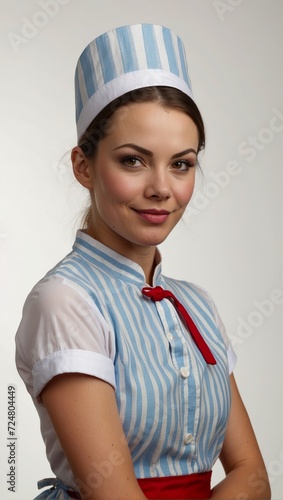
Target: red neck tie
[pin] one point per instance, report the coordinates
(158, 293)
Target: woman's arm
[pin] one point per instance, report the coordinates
(84, 413)
(246, 476)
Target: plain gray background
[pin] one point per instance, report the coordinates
(230, 240)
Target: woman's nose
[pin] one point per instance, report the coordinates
(158, 186)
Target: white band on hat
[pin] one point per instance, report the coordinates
(123, 84)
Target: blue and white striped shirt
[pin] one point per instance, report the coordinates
(89, 315)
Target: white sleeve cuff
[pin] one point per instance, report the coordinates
(72, 361)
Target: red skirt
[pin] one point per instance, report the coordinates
(190, 487)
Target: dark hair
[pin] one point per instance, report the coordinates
(166, 96)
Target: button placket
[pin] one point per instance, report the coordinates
(179, 346)
(170, 324)
(178, 343)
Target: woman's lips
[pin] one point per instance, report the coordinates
(153, 215)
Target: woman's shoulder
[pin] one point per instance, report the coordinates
(57, 299)
(54, 290)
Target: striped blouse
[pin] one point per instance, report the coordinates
(89, 315)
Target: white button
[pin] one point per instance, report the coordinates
(188, 438)
(184, 372)
(169, 337)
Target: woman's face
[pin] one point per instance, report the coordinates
(143, 176)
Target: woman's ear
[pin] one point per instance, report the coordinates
(81, 167)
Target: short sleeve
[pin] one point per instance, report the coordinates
(62, 331)
(231, 355)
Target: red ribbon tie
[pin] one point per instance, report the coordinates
(157, 293)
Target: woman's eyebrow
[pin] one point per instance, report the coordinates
(185, 152)
(137, 148)
(150, 153)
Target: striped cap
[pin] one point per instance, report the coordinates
(125, 59)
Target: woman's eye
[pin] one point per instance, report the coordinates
(182, 165)
(132, 161)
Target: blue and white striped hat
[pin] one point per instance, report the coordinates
(125, 59)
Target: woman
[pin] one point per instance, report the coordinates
(131, 371)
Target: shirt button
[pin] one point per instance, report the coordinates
(188, 439)
(169, 337)
(184, 372)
